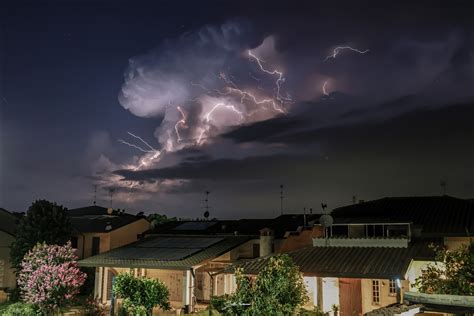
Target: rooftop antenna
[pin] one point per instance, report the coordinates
(111, 194)
(324, 206)
(304, 216)
(206, 213)
(443, 183)
(281, 199)
(95, 194)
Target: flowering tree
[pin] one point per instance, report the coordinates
(49, 276)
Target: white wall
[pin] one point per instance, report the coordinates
(330, 293)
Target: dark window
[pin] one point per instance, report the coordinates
(256, 250)
(393, 287)
(74, 242)
(95, 245)
(375, 292)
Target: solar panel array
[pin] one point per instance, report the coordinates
(179, 242)
(195, 226)
(165, 248)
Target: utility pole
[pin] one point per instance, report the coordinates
(443, 185)
(281, 199)
(95, 194)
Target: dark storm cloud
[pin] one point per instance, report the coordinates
(421, 133)
(221, 169)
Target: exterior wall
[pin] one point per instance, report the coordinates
(7, 275)
(311, 288)
(111, 240)
(330, 293)
(173, 279)
(456, 242)
(302, 240)
(385, 297)
(128, 233)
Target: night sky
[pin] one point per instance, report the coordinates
(161, 101)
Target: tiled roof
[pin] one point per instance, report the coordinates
(438, 216)
(8, 222)
(96, 219)
(166, 252)
(393, 309)
(351, 262)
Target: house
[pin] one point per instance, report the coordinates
(188, 256)
(98, 229)
(373, 251)
(8, 223)
(185, 263)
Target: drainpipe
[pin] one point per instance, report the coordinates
(212, 292)
(398, 284)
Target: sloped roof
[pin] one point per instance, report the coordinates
(8, 222)
(393, 309)
(96, 219)
(166, 252)
(280, 225)
(350, 262)
(438, 216)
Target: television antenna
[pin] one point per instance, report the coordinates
(206, 213)
(281, 199)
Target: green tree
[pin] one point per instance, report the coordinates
(157, 219)
(44, 222)
(278, 289)
(140, 294)
(452, 273)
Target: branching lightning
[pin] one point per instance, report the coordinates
(274, 72)
(338, 49)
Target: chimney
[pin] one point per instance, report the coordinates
(266, 242)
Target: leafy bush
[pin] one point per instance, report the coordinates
(49, 276)
(93, 307)
(452, 273)
(219, 302)
(141, 294)
(277, 290)
(21, 309)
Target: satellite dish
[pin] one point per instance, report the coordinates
(206, 214)
(326, 220)
(110, 211)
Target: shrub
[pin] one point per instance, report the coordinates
(93, 307)
(21, 309)
(452, 273)
(277, 290)
(49, 276)
(140, 294)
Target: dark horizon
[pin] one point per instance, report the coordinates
(153, 100)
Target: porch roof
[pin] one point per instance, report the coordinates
(167, 252)
(350, 262)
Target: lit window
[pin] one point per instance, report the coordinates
(392, 287)
(375, 292)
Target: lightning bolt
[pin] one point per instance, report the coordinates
(181, 122)
(324, 87)
(278, 82)
(338, 49)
